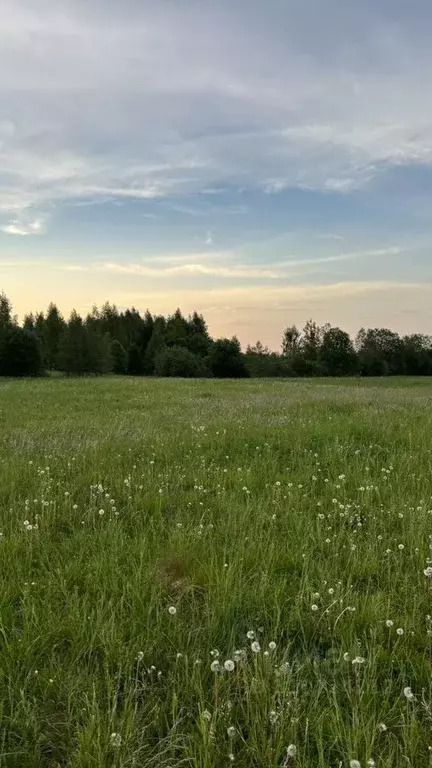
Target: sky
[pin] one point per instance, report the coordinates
(260, 161)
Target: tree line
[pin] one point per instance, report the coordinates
(129, 343)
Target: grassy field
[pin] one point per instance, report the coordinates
(215, 573)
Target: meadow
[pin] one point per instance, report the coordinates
(207, 574)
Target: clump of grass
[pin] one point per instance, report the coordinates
(243, 578)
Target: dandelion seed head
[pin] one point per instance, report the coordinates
(229, 665)
(172, 610)
(115, 739)
(255, 647)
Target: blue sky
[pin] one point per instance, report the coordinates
(262, 162)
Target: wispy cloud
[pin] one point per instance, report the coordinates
(194, 270)
(23, 228)
(223, 264)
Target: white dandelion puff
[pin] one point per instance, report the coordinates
(407, 692)
(229, 665)
(172, 610)
(255, 647)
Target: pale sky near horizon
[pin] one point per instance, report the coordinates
(260, 162)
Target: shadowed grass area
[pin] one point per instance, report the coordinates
(154, 530)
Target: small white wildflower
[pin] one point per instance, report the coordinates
(273, 717)
(428, 572)
(371, 763)
(255, 647)
(231, 731)
(401, 547)
(272, 646)
(382, 727)
(358, 660)
(389, 623)
(399, 631)
(355, 764)
(115, 739)
(291, 750)
(250, 635)
(407, 692)
(140, 655)
(229, 665)
(206, 715)
(346, 657)
(101, 512)
(314, 607)
(172, 610)
(215, 666)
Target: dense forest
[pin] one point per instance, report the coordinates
(128, 343)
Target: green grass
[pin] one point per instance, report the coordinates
(242, 505)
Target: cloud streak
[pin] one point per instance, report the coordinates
(23, 228)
